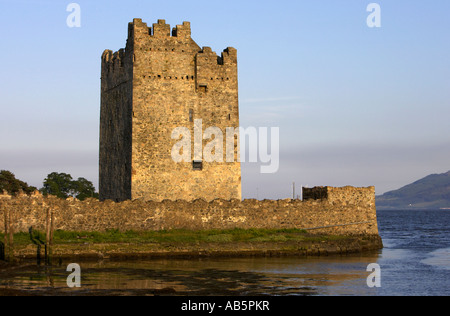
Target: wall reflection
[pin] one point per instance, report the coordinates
(223, 277)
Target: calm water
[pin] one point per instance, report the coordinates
(415, 261)
(416, 258)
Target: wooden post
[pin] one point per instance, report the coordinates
(37, 241)
(9, 235)
(50, 251)
(49, 237)
(6, 247)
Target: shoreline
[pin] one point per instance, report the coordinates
(323, 246)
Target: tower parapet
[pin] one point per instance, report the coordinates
(182, 31)
(161, 29)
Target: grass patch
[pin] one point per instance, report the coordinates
(271, 238)
(167, 236)
(220, 238)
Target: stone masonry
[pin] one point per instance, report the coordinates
(163, 80)
(343, 211)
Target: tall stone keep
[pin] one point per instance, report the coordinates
(163, 80)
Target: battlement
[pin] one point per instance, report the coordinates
(109, 56)
(142, 37)
(182, 31)
(229, 55)
(161, 29)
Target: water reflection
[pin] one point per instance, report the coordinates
(223, 277)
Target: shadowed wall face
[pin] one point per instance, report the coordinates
(116, 125)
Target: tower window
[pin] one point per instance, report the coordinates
(191, 115)
(197, 165)
(203, 88)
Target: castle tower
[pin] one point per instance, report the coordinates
(163, 80)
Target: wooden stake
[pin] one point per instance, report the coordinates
(50, 251)
(9, 236)
(6, 244)
(49, 237)
(47, 234)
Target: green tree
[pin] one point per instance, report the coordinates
(59, 184)
(12, 185)
(84, 189)
(62, 185)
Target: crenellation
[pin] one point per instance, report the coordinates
(182, 31)
(137, 23)
(229, 55)
(161, 29)
(107, 56)
(117, 59)
(207, 51)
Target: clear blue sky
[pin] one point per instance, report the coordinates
(355, 105)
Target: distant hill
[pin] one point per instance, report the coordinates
(431, 192)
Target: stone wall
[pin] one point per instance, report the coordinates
(346, 211)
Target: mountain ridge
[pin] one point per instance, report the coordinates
(430, 192)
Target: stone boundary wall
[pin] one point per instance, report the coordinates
(344, 211)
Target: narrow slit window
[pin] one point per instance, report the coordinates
(191, 115)
(197, 165)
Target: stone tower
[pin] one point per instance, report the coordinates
(163, 80)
